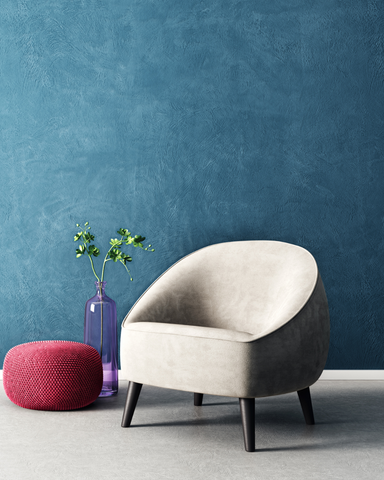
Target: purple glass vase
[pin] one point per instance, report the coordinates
(100, 331)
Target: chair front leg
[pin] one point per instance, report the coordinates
(247, 409)
(133, 393)
(198, 399)
(306, 405)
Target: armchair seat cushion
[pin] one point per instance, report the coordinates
(174, 353)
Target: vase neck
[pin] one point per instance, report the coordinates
(100, 288)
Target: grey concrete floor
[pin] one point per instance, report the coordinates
(171, 439)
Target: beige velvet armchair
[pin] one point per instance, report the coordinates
(241, 319)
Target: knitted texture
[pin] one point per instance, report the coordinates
(52, 375)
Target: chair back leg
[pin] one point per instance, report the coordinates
(306, 405)
(198, 399)
(133, 393)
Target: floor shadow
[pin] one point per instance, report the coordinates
(218, 404)
(233, 420)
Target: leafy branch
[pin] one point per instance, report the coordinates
(114, 253)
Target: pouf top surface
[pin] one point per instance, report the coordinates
(56, 348)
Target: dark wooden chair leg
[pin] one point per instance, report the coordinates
(247, 409)
(133, 393)
(198, 399)
(306, 405)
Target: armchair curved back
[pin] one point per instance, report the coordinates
(247, 286)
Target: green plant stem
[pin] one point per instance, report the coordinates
(93, 268)
(102, 322)
(102, 308)
(129, 273)
(105, 261)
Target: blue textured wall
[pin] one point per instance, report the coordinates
(191, 122)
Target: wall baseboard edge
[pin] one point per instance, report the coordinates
(352, 375)
(326, 375)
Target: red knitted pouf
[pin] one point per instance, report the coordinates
(52, 375)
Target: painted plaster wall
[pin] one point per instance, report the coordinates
(191, 122)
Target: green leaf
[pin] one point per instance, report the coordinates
(88, 237)
(115, 254)
(123, 232)
(80, 251)
(115, 242)
(92, 250)
(126, 258)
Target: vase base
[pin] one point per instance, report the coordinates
(107, 393)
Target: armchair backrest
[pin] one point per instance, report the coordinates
(249, 286)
